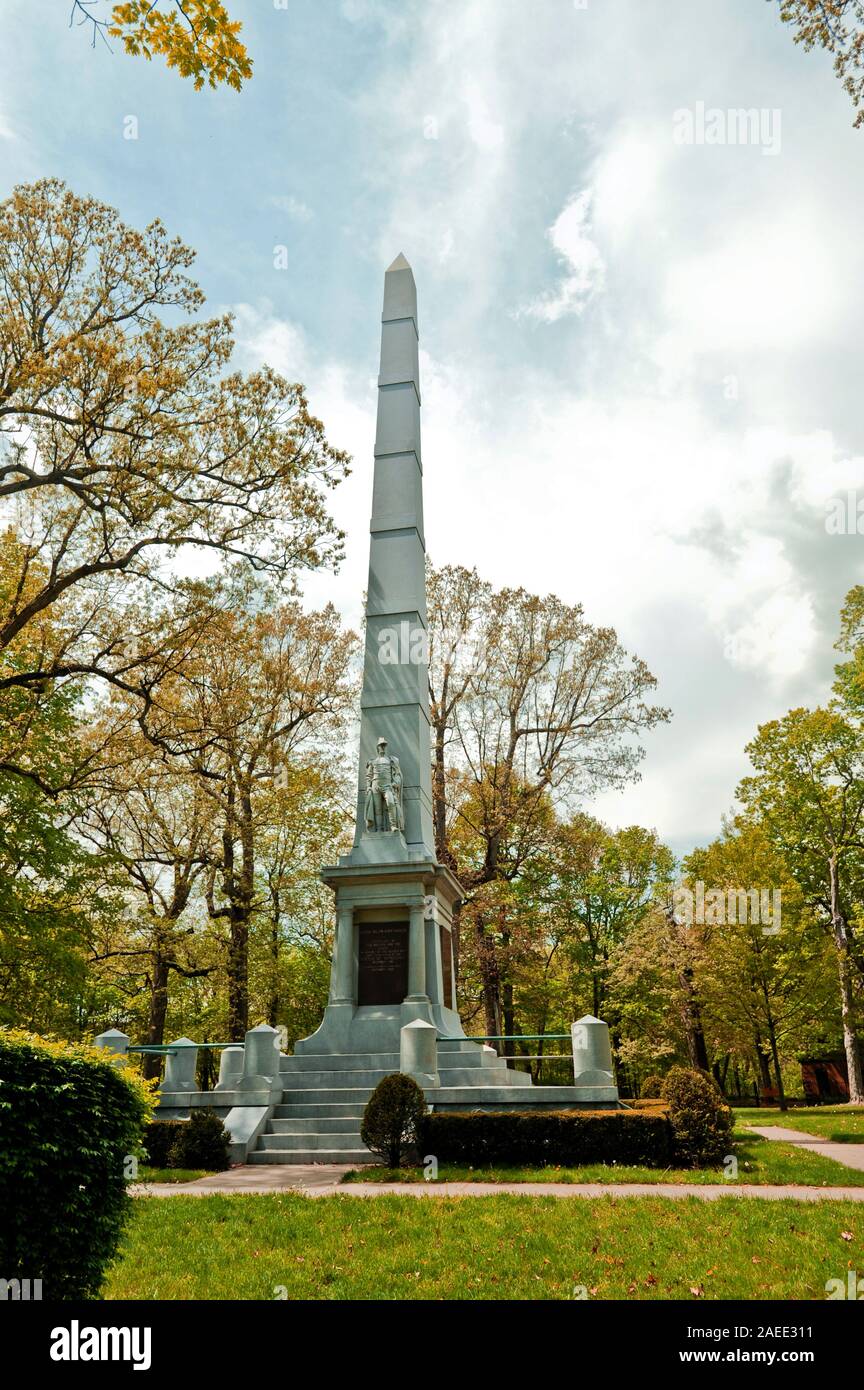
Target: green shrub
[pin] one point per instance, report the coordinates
(70, 1118)
(201, 1142)
(700, 1118)
(651, 1088)
(158, 1138)
(536, 1139)
(391, 1118)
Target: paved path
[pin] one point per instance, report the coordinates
(850, 1155)
(324, 1179)
(315, 1179)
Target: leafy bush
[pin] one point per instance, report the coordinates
(158, 1138)
(201, 1142)
(700, 1118)
(651, 1088)
(536, 1139)
(391, 1119)
(70, 1117)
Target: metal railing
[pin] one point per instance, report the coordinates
(545, 1068)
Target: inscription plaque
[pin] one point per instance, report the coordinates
(446, 965)
(383, 963)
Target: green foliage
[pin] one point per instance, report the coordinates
(651, 1088)
(200, 1142)
(838, 27)
(159, 1136)
(569, 1138)
(69, 1120)
(392, 1118)
(701, 1120)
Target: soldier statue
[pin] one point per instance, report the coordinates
(384, 792)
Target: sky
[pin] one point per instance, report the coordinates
(640, 355)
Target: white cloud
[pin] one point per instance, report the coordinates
(571, 238)
(296, 209)
(767, 284)
(485, 131)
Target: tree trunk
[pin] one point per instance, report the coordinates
(775, 1056)
(490, 979)
(152, 1061)
(273, 1006)
(840, 933)
(763, 1063)
(237, 886)
(775, 1051)
(697, 1048)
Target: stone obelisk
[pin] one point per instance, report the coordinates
(393, 961)
(395, 699)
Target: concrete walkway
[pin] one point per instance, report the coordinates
(315, 1179)
(324, 1179)
(850, 1155)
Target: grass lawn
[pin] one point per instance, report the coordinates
(760, 1161)
(171, 1174)
(507, 1247)
(840, 1123)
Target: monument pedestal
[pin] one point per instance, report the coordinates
(393, 956)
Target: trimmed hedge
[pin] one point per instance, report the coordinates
(392, 1117)
(700, 1118)
(159, 1137)
(200, 1142)
(564, 1137)
(70, 1117)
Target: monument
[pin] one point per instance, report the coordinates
(392, 1002)
(394, 901)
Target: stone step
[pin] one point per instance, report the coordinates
(290, 1142)
(315, 1080)
(322, 1109)
(327, 1096)
(316, 1124)
(498, 1075)
(351, 1157)
(467, 1055)
(340, 1061)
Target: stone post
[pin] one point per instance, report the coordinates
(416, 953)
(418, 1052)
(260, 1058)
(342, 974)
(592, 1053)
(114, 1041)
(180, 1066)
(230, 1067)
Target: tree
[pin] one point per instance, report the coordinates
(156, 826)
(53, 894)
(267, 684)
(603, 884)
(838, 27)
(655, 978)
(124, 441)
(197, 37)
(765, 991)
(304, 817)
(537, 707)
(808, 792)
